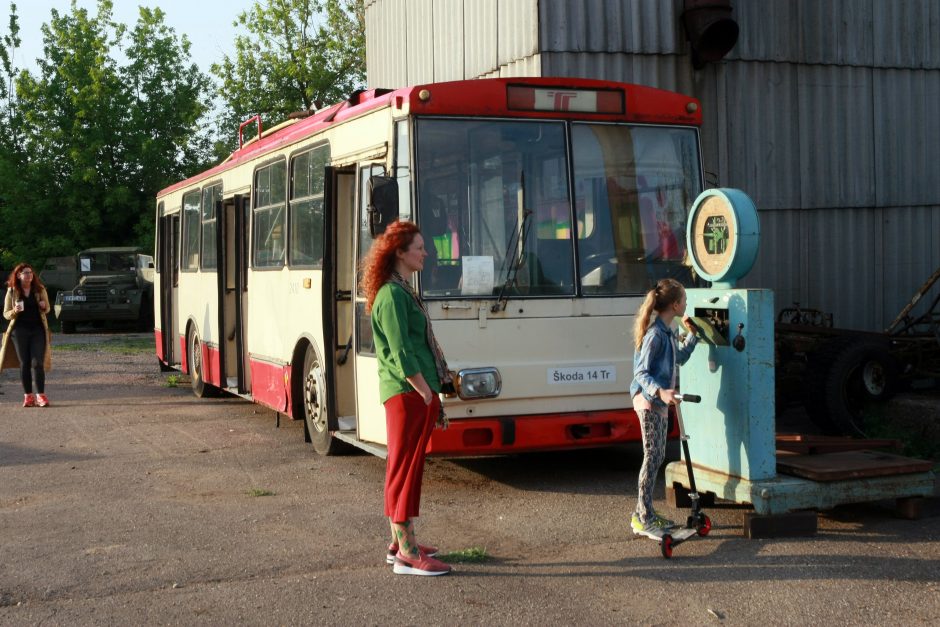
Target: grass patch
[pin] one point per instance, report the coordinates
(260, 492)
(119, 345)
(173, 381)
(473, 555)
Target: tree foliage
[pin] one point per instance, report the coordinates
(295, 55)
(95, 140)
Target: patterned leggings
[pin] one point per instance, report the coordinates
(653, 423)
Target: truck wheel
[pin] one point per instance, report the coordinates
(196, 370)
(68, 327)
(863, 372)
(315, 406)
(145, 317)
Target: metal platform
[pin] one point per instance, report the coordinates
(785, 493)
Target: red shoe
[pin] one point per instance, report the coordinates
(29, 400)
(430, 551)
(42, 400)
(422, 565)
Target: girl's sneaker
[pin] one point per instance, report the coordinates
(42, 400)
(430, 551)
(29, 400)
(422, 565)
(655, 525)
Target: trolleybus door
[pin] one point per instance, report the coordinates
(370, 413)
(169, 282)
(339, 285)
(232, 291)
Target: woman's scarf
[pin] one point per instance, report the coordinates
(443, 372)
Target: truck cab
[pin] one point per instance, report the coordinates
(113, 284)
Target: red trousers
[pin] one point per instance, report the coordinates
(408, 424)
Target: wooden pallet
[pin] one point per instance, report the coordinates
(802, 444)
(850, 465)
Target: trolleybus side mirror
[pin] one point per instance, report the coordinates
(383, 203)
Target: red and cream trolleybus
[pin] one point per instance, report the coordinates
(549, 207)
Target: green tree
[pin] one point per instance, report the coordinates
(164, 138)
(99, 139)
(296, 54)
(12, 157)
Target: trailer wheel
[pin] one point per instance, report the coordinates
(861, 373)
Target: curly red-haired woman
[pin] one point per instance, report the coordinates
(412, 370)
(25, 306)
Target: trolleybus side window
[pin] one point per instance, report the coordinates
(270, 225)
(210, 197)
(190, 249)
(158, 237)
(306, 207)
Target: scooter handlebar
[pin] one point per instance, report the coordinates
(689, 398)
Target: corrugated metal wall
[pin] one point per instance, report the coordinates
(424, 41)
(825, 113)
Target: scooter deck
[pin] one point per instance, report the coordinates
(678, 534)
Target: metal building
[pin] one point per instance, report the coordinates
(825, 112)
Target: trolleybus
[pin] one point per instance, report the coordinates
(549, 205)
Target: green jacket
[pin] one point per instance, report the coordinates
(401, 345)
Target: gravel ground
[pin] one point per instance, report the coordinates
(129, 502)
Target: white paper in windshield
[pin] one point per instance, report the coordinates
(86, 265)
(478, 275)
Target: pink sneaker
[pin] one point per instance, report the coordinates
(29, 400)
(42, 400)
(430, 551)
(423, 565)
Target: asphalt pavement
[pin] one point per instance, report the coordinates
(129, 501)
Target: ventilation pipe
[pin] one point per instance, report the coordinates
(710, 28)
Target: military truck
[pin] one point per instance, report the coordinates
(115, 284)
(59, 273)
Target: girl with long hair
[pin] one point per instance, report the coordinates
(25, 306)
(656, 360)
(412, 370)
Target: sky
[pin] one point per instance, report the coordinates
(207, 24)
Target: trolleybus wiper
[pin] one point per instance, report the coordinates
(515, 247)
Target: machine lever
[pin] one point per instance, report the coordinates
(689, 398)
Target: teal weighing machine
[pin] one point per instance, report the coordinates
(731, 433)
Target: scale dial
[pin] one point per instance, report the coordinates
(722, 236)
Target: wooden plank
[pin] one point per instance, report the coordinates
(850, 465)
(788, 525)
(809, 444)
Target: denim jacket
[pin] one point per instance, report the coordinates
(654, 363)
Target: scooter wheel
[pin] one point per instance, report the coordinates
(704, 525)
(666, 546)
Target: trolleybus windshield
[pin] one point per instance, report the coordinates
(504, 204)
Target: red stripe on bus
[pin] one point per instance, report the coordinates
(158, 341)
(485, 436)
(270, 384)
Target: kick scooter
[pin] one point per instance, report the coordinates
(697, 522)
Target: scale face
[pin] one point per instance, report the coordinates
(723, 231)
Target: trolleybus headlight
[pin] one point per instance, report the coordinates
(478, 383)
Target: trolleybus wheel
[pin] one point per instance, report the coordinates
(666, 546)
(315, 412)
(196, 371)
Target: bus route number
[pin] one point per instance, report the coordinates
(606, 373)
